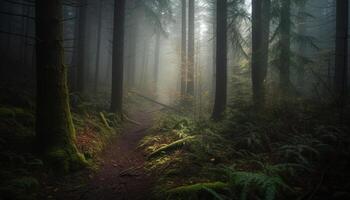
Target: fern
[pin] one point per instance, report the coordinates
(267, 185)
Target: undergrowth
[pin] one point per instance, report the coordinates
(23, 175)
(292, 150)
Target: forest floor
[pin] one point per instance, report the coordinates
(121, 173)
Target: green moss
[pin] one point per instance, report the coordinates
(65, 160)
(197, 191)
(172, 146)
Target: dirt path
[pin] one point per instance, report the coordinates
(121, 174)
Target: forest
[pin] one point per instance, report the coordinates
(174, 99)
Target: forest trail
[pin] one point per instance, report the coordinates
(121, 175)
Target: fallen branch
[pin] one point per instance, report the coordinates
(171, 147)
(125, 117)
(156, 102)
(198, 188)
(104, 120)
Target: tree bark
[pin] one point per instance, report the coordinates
(81, 47)
(156, 60)
(260, 45)
(301, 28)
(118, 58)
(73, 70)
(341, 50)
(131, 61)
(284, 59)
(99, 29)
(221, 60)
(183, 47)
(190, 69)
(54, 125)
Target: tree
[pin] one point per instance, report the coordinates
(54, 125)
(284, 57)
(99, 32)
(156, 58)
(260, 45)
(341, 50)
(221, 60)
(135, 6)
(190, 60)
(81, 47)
(183, 47)
(118, 57)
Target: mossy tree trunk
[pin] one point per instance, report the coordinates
(54, 125)
(118, 57)
(221, 60)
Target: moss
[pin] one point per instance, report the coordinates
(197, 191)
(62, 161)
(172, 146)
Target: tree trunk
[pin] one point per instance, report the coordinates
(260, 45)
(190, 72)
(221, 60)
(99, 29)
(118, 58)
(131, 61)
(284, 59)
(301, 28)
(73, 78)
(266, 16)
(81, 47)
(341, 51)
(54, 125)
(156, 61)
(183, 47)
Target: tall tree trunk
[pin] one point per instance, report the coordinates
(266, 15)
(183, 47)
(118, 58)
(131, 61)
(221, 60)
(73, 78)
(260, 45)
(257, 79)
(156, 60)
(284, 59)
(82, 36)
(190, 60)
(301, 28)
(99, 29)
(341, 50)
(54, 125)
